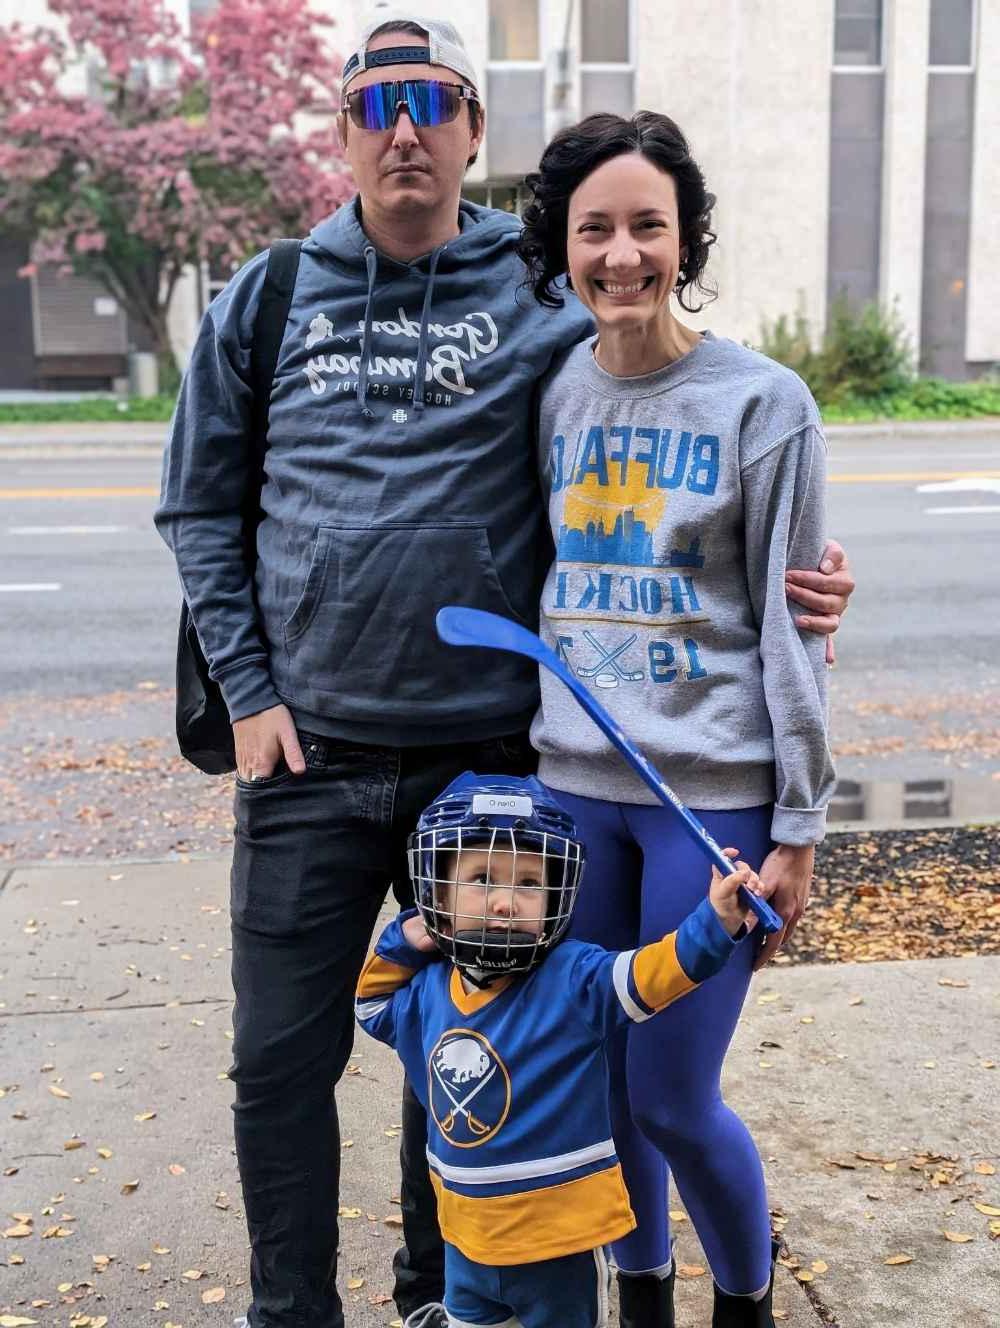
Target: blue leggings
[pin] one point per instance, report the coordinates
(643, 876)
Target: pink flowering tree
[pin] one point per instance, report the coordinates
(189, 146)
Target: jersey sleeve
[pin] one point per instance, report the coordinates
(385, 979)
(612, 991)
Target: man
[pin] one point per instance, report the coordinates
(400, 476)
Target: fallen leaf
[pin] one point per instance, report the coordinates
(988, 1210)
(143, 1267)
(222, 1200)
(50, 1232)
(97, 1076)
(985, 1169)
(56, 1091)
(355, 1283)
(15, 1321)
(820, 1266)
(767, 998)
(804, 1275)
(161, 1249)
(101, 1260)
(677, 1216)
(16, 1258)
(690, 1270)
(951, 982)
(213, 1295)
(161, 1304)
(71, 1144)
(856, 1000)
(957, 1237)
(393, 1220)
(16, 1233)
(145, 1115)
(808, 1019)
(176, 1169)
(192, 1275)
(895, 1259)
(130, 1187)
(63, 1287)
(344, 1211)
(105, 1153)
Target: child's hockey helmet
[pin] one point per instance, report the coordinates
(500, 816)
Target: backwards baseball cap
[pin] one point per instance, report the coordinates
(445, 48)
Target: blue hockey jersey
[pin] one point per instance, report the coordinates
(515, 1082)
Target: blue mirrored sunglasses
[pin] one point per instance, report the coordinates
(426, 101)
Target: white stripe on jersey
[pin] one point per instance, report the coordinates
(620, 972)
(369, 1009)
(541, 1166)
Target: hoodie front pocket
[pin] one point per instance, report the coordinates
(363, 627)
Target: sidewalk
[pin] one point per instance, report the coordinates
(871, 1089)
(130, 437)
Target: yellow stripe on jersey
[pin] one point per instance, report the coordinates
(506, 1229)
(657, 973)
(381, 978)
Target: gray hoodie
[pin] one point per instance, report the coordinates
(677, 500)
(400, 476)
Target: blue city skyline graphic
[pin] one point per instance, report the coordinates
(628, 544)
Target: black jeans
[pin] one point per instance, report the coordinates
(315, 855)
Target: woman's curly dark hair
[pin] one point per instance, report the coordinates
(567, 161)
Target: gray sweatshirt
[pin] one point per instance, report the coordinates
(677, 500)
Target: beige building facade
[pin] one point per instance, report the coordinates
(850, 143)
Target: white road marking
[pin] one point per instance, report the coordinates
(67, 530)
(17, 588)
(954, 511)
(968, 484)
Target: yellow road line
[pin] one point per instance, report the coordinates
(123, 491)
(910, 476)
(860, 477)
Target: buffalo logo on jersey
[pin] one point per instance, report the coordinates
(468, 1088)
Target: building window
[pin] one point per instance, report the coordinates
(514, 30)
(604, 35)
(951, 33)
(858, 34)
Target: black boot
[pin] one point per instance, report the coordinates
(646, 1300)
(741, 1311)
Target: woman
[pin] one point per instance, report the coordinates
(685, 474)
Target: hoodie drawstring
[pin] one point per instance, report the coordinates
(420, 373)
(371, 263)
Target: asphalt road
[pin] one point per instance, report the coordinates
(89, 596)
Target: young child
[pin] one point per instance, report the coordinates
(504, 1045)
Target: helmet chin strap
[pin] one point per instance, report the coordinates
(479, 977)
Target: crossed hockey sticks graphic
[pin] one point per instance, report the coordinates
(610, 660)
(475, 1124)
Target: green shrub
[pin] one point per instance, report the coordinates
(864, 353)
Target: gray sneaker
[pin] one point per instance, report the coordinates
(433, 1315)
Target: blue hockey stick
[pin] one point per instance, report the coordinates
(474, 627)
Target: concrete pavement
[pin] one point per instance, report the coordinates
(871, 1090)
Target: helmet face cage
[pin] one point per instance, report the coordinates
(495, 898)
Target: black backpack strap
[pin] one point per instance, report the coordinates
(268, 332)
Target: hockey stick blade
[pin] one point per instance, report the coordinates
(474, 627)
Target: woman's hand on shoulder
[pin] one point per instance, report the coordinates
(823, 593)
(787, 875)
